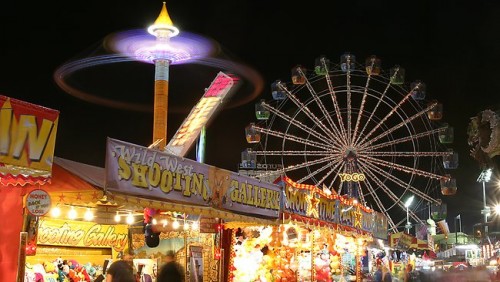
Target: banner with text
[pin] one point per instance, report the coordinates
(135, 170)
(60, 232)
(308, 200)
(27, 141)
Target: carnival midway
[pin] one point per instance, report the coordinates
(339, 161)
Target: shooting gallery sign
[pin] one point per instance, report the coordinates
(139, 171)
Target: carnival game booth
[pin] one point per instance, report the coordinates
(407, 249)
(76, 236)
(179, 193)
(89, 226)
(27, 139)
(320, 237)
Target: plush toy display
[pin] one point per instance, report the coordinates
(62, 271)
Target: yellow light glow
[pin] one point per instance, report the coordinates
(130, 219)
(117, 217)
(176, 224)
(497, 209)
(195, 225)
(89, 215)
(72, 213)
(55, 212)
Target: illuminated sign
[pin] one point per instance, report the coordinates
(352, 177)
(139, 171)
(308, 200)
(198, 117)
(27, 140)
(82, 234)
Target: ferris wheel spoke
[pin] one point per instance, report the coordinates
(389, 192)
(297, 166)
(332, 170)
(391, 112)
(405, 154)
(303, 127)
(403, 168)
(405, 186)
(349, 102)
(399, 125)
(309, 176)
(294, 153)
(318, 102)
(338, 113)
(376, 198)
(381, 184)
(290, 137)
(302, 107)
(405, 139)
(372, 113)
(362, 106)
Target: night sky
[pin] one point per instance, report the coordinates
(453, 46)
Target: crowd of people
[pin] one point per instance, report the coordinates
(123, 270)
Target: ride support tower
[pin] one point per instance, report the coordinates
(163, 29)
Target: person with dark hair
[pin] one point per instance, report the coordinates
(120, 271)
(171, 271)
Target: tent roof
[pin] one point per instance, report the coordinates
(93, 175)
(75, 183)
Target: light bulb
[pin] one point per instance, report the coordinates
(89, 215)
(164, 222)
(176, 224)
(154, 221)
(195, 225)
(55, 212)
(72, 213)
(130, 219)
(186, 225)
(117, 217)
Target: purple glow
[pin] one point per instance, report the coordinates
(141, 46)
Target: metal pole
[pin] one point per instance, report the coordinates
(456, 233)
(407, 222)
(485, 211)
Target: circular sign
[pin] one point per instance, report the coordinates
(38, 202)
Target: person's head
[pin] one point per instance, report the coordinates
(128, 257)
(170, 256)
(120, 271)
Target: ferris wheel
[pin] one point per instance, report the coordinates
(359, 131)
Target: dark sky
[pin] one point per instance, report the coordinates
(454, 46)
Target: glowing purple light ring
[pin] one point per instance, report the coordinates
(141, 46)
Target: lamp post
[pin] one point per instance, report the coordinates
(459, 218)
(484, 177)
(407, 205)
